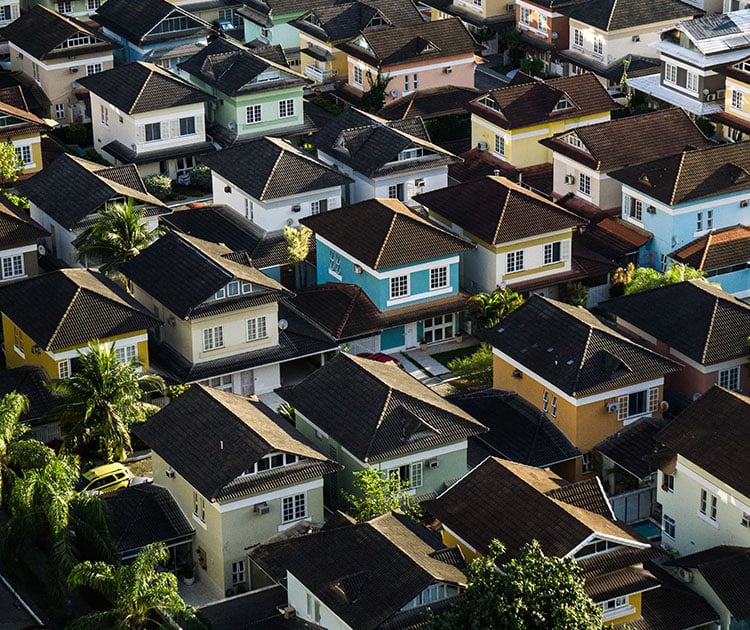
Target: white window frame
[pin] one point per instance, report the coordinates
(691, 82)
(199, 507)
(213, 338)
(59, 107)
(399, 286)
(256, 328)
(294, 508)
(334, 264)
(553, 407)
(598, 45)
(64, 6)
(667, 482)
(357, 76)
(670, 74)
(699, 222)
(549, 253)
(584, 185)
(577, 38)
(587, 463)
(93, 5)
(126, 354)
(93, 68)
(189, 121)
(149, 129)
(545, 401)
(253, 114)
(730, 378)
(737, 99)
(669, 526)
(13, 267)
(438, 278)
(238, 572)
(499, 145)
(286, 108)
(63, 369)
(514, 261)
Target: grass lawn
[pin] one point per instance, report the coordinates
(447, 357)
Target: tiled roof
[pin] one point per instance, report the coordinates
(144, 514)
(140, 87)
(614, 15)
(477, 163)
(279, 169)
(620, 583)
(39, 31)
(118, 16)
(496, 210)
(691, 175)
(609, 145)
(365, 573)
(181, 272)
(588, 495)
(371, 145)
(534, 102)
(395, 235)
(713, 433)
(603, 563)
(71, 307)
(265, 604)
(433, 102)
(628, 446)
(71, 190)
(518, 431)
(210, 438)
(17, 227)
(345, 311)
(712, 330)
(613, 237)
(395, 413)
(572, 349)
(31, 381)
(127, 155)
(512, 503)
(717, 249)
(13, 104)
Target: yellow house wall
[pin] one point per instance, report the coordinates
(634, 601)
(31, 139)
(733, 84)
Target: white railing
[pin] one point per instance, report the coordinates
(318, 75)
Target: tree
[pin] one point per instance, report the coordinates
(645, 278)
(473, 371)
(12, 431)
(487, 309)
(137, 592)
(11, 164)
(377, 495)
(374, 99)
(298, 247)
(102, 399)
(530, 592)
(119, 235)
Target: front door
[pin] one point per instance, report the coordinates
(410, 335)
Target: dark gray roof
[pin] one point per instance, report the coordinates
(134, 19)
(142, 87)
(613, 15)
(395, 413)
(32, 382)
(262, 606)
(570, 348)
(181, 272)
(628, 446)
(371, 145)
(279, 169)
(71, 307)
(713, 329)
(210, 438)
(17, 227)
(71, 190)
(126, 155)
(518, 431)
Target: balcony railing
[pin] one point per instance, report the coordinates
(318, 75)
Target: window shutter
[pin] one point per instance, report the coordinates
(622, 407)
(653, 399)
(565, 249)
(334, 202)
(140, 134)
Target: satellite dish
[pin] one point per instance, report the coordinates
(41, 249)
(283, 324)
(290, 222)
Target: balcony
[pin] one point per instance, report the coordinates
(318, 75)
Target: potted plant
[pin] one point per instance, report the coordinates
(459, 336)
(422, 344)
(188, 574)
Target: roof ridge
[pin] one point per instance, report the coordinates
(611, 14)
(583, 356)
(348, 312)
(502, 215)
(271, 174)
(65, 314)
(394, 215)
(677, 178)
(380, 419)
(710, 329)
(709, 238)
(142, 90)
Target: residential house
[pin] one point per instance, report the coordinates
(484, 19)
(692, 54)
(228, 330)
(509, 122)
(685, 196)
(163, 33)
(255, 95)
(284, 185)
(268, 22)
(709, 338)
(515, 504)
(19, 242)
(49, 319)
(393, 159)
(33, 382)
(402, 261)
(55, 50)
(80, 9)
(589, 378)
(523, 240)
(22, 129)
(222, 15)
(402, 426)
(379, 573)
(67, 195)
(242, 473)
(143, 114)
(734, 119)
(414, 57)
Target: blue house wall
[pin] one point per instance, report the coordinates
(735, 282)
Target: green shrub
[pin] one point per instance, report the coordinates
(160, 186)
(200, 177)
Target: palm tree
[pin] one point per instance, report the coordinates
(12, 431)
(487, 309)
(102, 399)
(119, 235)
(135, 591)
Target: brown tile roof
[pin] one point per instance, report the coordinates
(716, 250)
(628, 446)
(613, 237)
(16, 227)
(496, 210)
(395, 235)
(533, 103)
(582, 268)
(588, 495)
(477, 164)
(620, 583)
(613, 15)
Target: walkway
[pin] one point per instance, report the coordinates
(422, 366)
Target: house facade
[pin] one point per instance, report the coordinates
(22, 129)
(267, 22)
(19, 244)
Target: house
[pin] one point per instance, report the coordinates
(78, 306)
(143, 114)
(509, 122)
(66, 197)
(380, 573)
(734, 119)
(522, 238)
(9, 11)
(242, 473)
(53, 51)
(33, 382)
(164, 33)
(709, 339)
(256, 93)
(228, 330)
(19, 241)
(692, 53)
(402, 260)
(589, 378)
(402, 426)
(685, 196)
(515, 504)
(80, 9)
(22, 129)
(416, 56)
(285, 184)
(386, 159)
(268, 22)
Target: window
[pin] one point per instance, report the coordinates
(126, 354)
(238, 572)
(286, 108)
(265, 33)
(13, 266)
(253, 114)
(525, 15)
(256, 328)
(153, 131)
(514, 261)
(172, 24)
(334, 263)
(614, 604)
(552, 253)
(709, 219)
(438, 278)
(745, 522)
(415, 82)
(499, 145)
(670, 73)
(438, 328)
(692, 82)
(66, 6)
(399, 286)
(584, 185)
(213, 338)
(229, 15)
(187, 126)
(668, 526)
(699, 222)
(357, 75)
(410, 154)
(396, 191)
(24, 154)
(18, 340)
(5, 13)
(598, 46)
(729, 379)
(93, 5)
(736, 99)
(637, 403)
(406, 83)
(313, 608)
(63, 369)
(224, 383)
(545, 401)
(199, 507)
(93, 68)
(578, 37)
(709, 504)
(553, 409)
(413, 473)
(270, 461)
(293, 508)
(59, 110)
(595, 547)
(319, 206)
(541, 23)
(587, 463)
(667, 482)
(104, 114)
(573, 140)
(634, 208)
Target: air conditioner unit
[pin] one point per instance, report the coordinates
(711, 96)
(685, 575)
(720, 93)
(651, 210)
(419, 183)
(570, 179)
(447, 70)
(288, 612)
(262, 508)
(511, 6)
(433, 463)
(613, 407)
(743, 203)
(73, 70)
(636, 38)
(357, 269)
(482, 145)
(169, 473)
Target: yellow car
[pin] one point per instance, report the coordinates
(104, 478)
